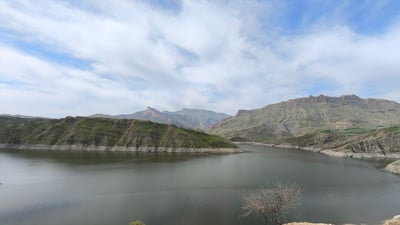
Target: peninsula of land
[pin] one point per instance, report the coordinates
(105, 134)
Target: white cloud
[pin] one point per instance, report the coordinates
(219, 55)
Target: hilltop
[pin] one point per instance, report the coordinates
(188, 118)
(346, 123)
(86, 132)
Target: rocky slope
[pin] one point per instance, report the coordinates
(346, 123)
(81, 131)
(354, 140)
(188, 118)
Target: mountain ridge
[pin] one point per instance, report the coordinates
(302, 122)
(188, 118)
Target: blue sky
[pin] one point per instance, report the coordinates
(71, 57)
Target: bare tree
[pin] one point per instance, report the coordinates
(272, 203)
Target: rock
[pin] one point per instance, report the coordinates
(394, 221)
(307, 223)
(241, 112)
(394, 167)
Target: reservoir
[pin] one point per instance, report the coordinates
(111, 188)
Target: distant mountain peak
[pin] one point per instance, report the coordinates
(148, 108)
(154, 112)
(241, 112)
(351, 96)
(188, 118)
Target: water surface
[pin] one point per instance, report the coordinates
(93, 188)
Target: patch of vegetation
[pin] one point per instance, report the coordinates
(272, 202)
(354, 131)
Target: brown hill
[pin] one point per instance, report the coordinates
(348, 122)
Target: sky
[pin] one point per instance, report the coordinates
(81, 57)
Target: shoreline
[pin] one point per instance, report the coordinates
(330, 152)
(393, 167)
(393, 221)
(38, 147)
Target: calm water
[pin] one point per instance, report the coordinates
(86, 188)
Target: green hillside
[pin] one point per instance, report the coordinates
(104, 132)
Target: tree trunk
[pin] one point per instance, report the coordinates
(265, 219)
(276, 219)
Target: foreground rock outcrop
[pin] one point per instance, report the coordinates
(306, 223)
(394, 221)
(394, 167)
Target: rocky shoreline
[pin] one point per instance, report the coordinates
(331, 152)
(394, 221)
(121, 149)
(393, 167)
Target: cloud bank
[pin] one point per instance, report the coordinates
(61, 58)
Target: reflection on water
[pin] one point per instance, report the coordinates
(107, 157)
(46, 187)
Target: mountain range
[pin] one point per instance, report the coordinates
(347, 123)
(189, 118)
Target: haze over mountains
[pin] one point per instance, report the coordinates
(189, 118)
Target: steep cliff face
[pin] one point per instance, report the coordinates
(355, 140)
(306, 115)
(346, 123)
(104, 132)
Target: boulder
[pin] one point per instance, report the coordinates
(394, 221)
(307, 223)
(394, 167)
